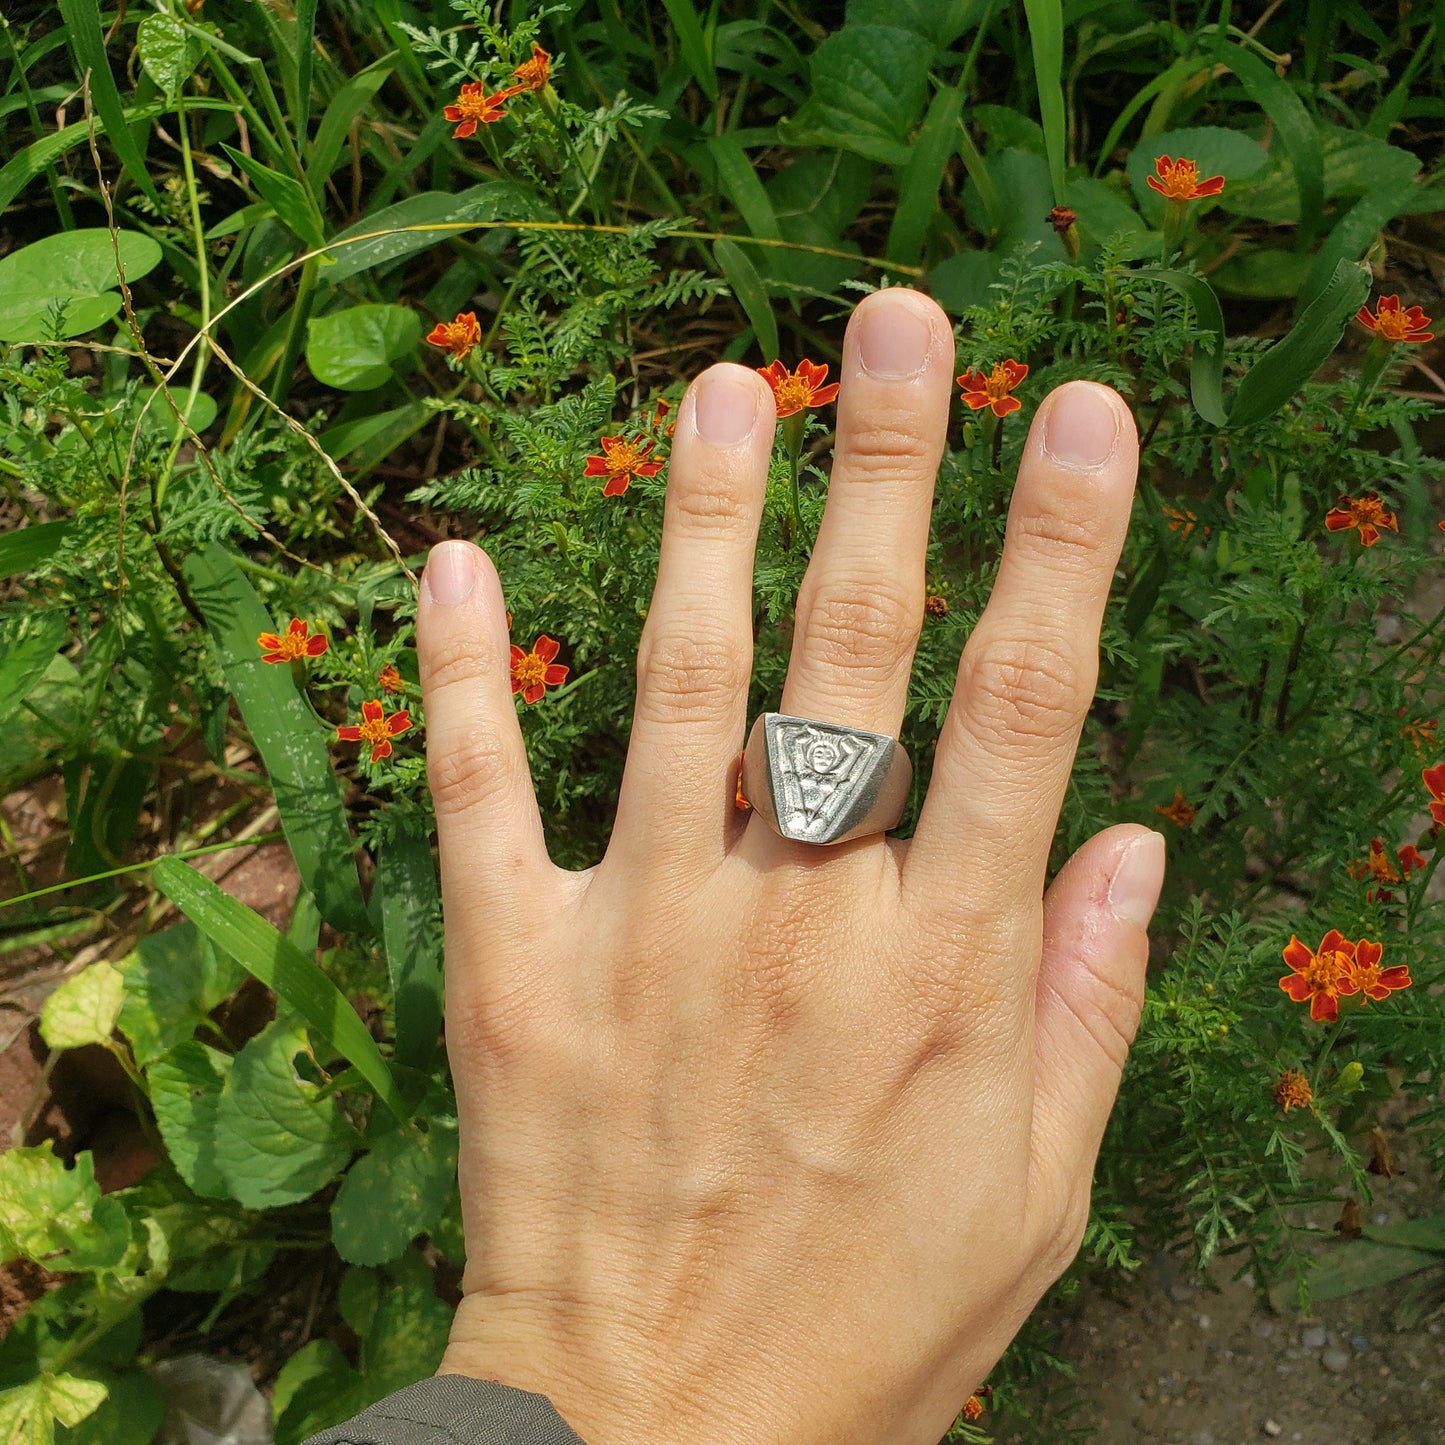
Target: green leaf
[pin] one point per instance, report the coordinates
(395, 1192)
(411, 932)
(185, 1090)
(1025, 196)
(130, 1414)
(695, 43)
(348, 103)
(1206, 366)
(84, 1009)
(30, 1412)
(173, 978)
(1263, 274)
(740, 184)
(918, 188)
(1350, 1267)
(354, 349)
(24, 549)
(962, 280)
(1292, 124)
(286, 733)
(305, 41)
(1296, 356)
(281, 966)
(1104, 212)
(1046, 39)
(1214, 150)
(869, 84)
(319, 1359)
(73, 269)
(86, 37)
(278, 1140)
(28, 645)
(56, 1216)
(752, 296)
(1355, 232)
(165, 51)
(287, 197)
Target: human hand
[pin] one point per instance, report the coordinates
(765, 1141)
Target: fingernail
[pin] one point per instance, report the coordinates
(724, 409)
(893, 340)
(1134, 888)
(1081, 426)
(449, 573)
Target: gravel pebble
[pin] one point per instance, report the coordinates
(1335, 1360)
(1263, 1328)
(1273, 1428)
(1316, 1337)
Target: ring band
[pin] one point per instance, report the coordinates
(816, 782)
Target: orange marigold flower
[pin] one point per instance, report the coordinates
(1183, 521)
(1411, 859)
(740, 801)
(794, 391)
(973, 1406)
(474, 107)
(1321, 975)
(293, 643)
(389, 679)
(1292, 1091)
(377, 729)
(1377, 866)
(1178, 180)
(1368, 978)
(1434, 779)
(621, 460)
(1394, 323)
(1369, 514)
(993, 390)
(1179, 811)
(534, 73)
(1419, 731)
(534, 672)
(459, 336)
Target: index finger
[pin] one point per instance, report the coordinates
(1027, 675)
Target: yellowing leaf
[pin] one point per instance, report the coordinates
(28, 1412)
(84, 1009)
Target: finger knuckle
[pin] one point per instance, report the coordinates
(889, 448)
(456, 658)
(1060, 536)
(711, 504)
(870, 630)
(686, 673)
(469, 767)
(500, 1021)
(1024, 689)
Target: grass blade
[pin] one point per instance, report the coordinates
(1046, 36)
(694, 43)
(286, 734)
(281, 966)
(751, 295)
(918, 188)
(87, 46)
(411, 930)
(305, 31)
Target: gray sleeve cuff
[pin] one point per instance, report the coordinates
(454, 1410)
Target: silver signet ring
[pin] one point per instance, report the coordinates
(816, 782)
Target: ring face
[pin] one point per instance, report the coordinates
(816, 782)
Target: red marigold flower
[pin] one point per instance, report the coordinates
(1183, 521)
(291, 644)
(993, 390)
(1394, 323)
(1411, 859)
(1364, 971)
(973, 1406)
(534, 73)
(377, 729)
(459, 336)
(474, 107)
(1369, 514)
(1292, 1091)
(1434, 779)
(389, 679)
(1178, 180)
(1322, 975)
(1419, 731)
(793, 391)
(534, 672)
(621, 460)
(1376, 866)
(1179, 812)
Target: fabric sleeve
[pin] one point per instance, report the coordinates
(454, 1410)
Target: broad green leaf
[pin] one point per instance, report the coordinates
(199, 414)
(354, 349)
(1206, 367)
(751, 294)
(287, 197)
(937, 23)
(173, 977)
(165, 51)
(185, 1090)
(1214, 150)
(1352, 1266)
(26, 548)
(869, 84)
(1046, 40)
(286, 733)
(1104, 212)
(1297, 355)
(695, 44)
(57, 1216)
(30, 1412)
(816, 199)
(130, 1414)
(278, 1140)
(395, 1192)
(1355, 232)
(1292, 124)
(1027, 196)
(73, 269)
(86, 37)
(281, 966)
(61, 318)
(1264, 274)
(919, 185)
(348, 103)
(962, 280)
(411, 932)
(83, 1010)
(28, 645)
(317, 1359)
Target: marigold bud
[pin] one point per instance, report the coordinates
(1292, 1091)
(936, 606)
(1352, 1077)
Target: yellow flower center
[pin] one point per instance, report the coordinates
(1394, 326)
(1182, 179)
(375, 730)
(1325, 971)
(459, 337)
(475, 104)
(793, 393)
(532, 73)
(1368, 511)
(623, 456)
(293, 645)
(531, 670)
(999, 383)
